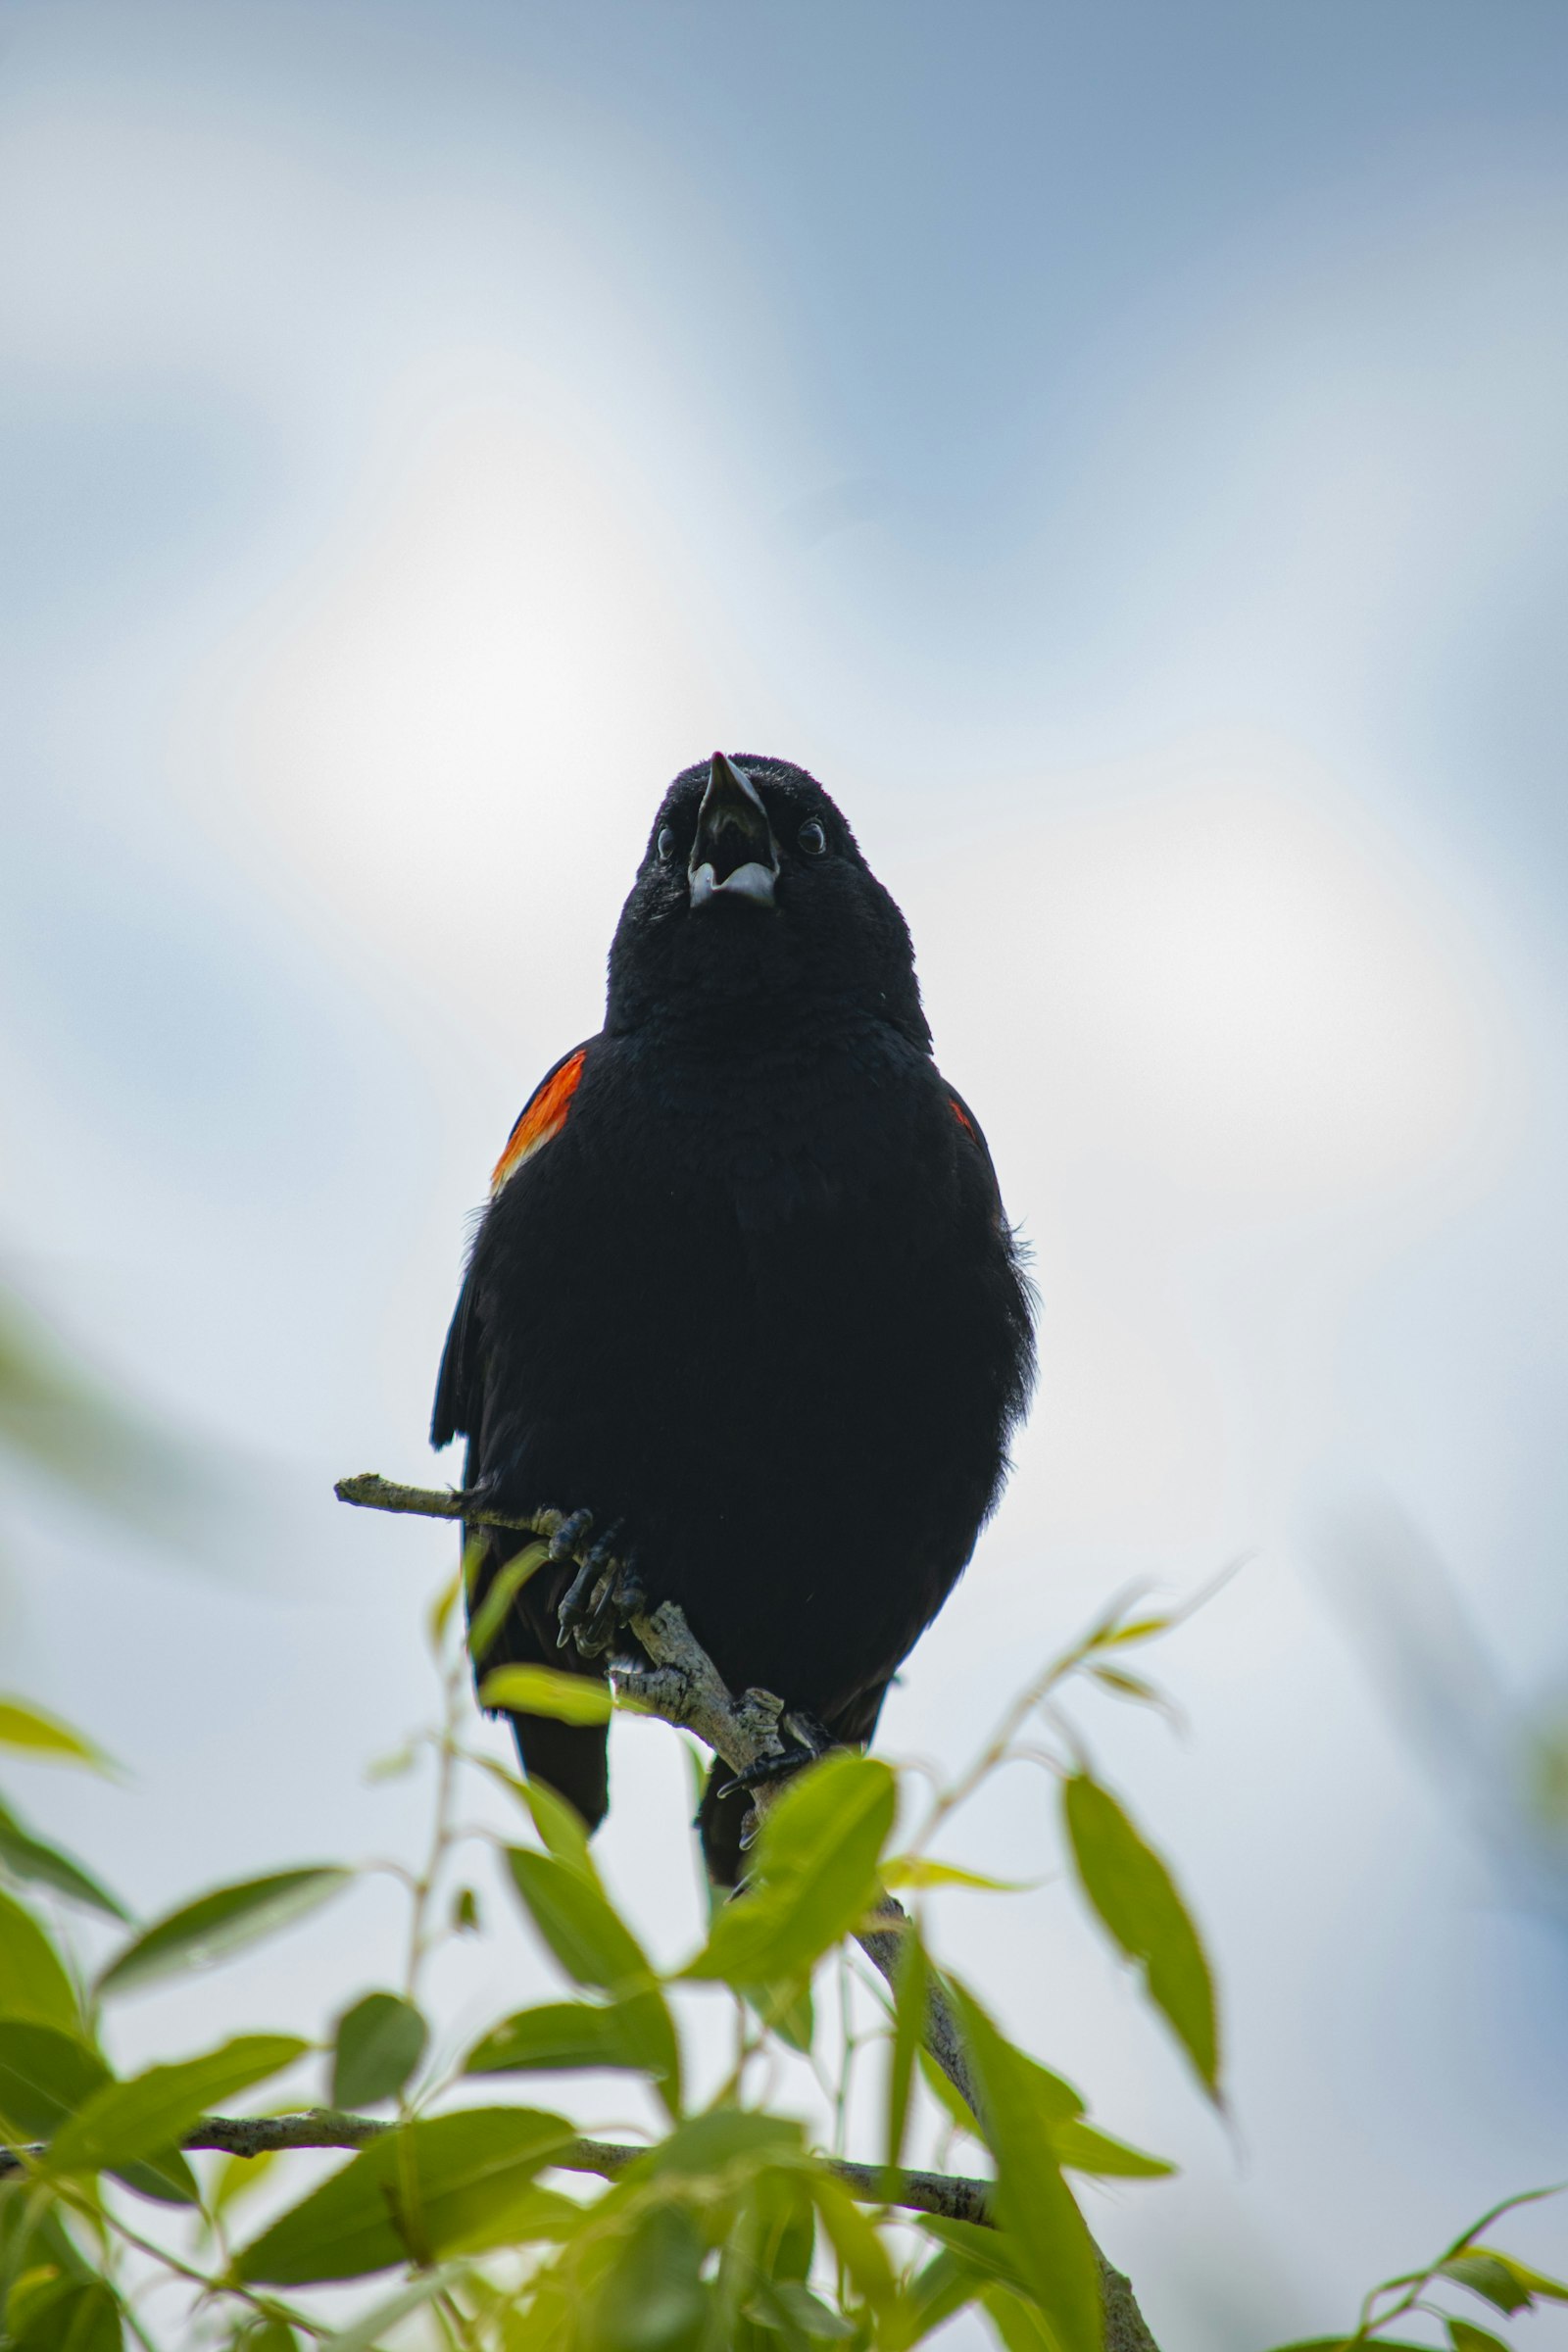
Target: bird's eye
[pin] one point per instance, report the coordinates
(666, 842)
(811, 838)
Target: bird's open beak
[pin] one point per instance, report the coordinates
(734, 855)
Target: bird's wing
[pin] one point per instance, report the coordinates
(452, 1415)
(971, 1128)
(542, 1117)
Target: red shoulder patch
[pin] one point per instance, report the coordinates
(543, 1117)
(961, 1116)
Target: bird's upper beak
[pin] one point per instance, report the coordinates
(734, 855)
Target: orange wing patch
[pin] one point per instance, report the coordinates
(963, 1116)
(544, 1117)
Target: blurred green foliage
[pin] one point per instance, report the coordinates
(488, 2226)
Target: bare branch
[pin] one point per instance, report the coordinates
(683, 1687)
(373, 1492)
(952, 2195)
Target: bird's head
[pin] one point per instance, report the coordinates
(754, 903)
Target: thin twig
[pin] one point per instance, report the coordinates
(953, 2195)
(681, 1685)
(373, 1493)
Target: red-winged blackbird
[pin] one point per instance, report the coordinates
(744, 1290)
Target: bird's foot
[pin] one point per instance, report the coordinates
(603, 1595)
(803, 1740)
(571, 1528)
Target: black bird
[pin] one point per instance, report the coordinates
(743, 1292)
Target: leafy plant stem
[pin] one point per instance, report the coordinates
(1372, 2321)
(841, 2098)
(421, 1938)
(267, 2306)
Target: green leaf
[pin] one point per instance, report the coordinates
(81, 2318)
(1138, 1628)
(505, 1586)
(1467, 2338)
(1490, 2276)
(269, 2335)
(815, 1877)
(561, 1826)
(378, 2046)
(31, 2285)
(45, 1738)
(32, 2288)
(547, 1691)
(947, 2096)
(1019, 2108)
(1016, 2320)
(33, 1983)
(165, 2177)
(789, 2307)
(1080, 2148)
(1134, 1687)
(1054, 2100)
(44, 2076)
(1058, 2101)
(697, 1766)
(1133, 1893)
(578, 1923)
(555, 2038)
(854, 2241)
(562, 1832)
(1544, 2289)
(216, 1924)
(652, 2297)
(33, 2239)
(1533, 2285)
(724, 2144)
(910, 1993)
(441, 1608)
(936, 2293)
(780, 2206)
(636, 2034)
(447, 2184)
(126, 2121)
(986, 2253)
(915, 1870)
(787, 2010)
(25, 1856)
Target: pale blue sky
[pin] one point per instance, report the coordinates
(1121, 450)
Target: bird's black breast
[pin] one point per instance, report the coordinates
(760, 1307)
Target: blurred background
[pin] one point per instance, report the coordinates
(1120, 451)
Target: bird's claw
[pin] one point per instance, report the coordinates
(807, 1738)
(566, 1541)
(577, 1600)
(619, 1597)
(602, 1594)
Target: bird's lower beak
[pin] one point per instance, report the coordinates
(734, 855)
